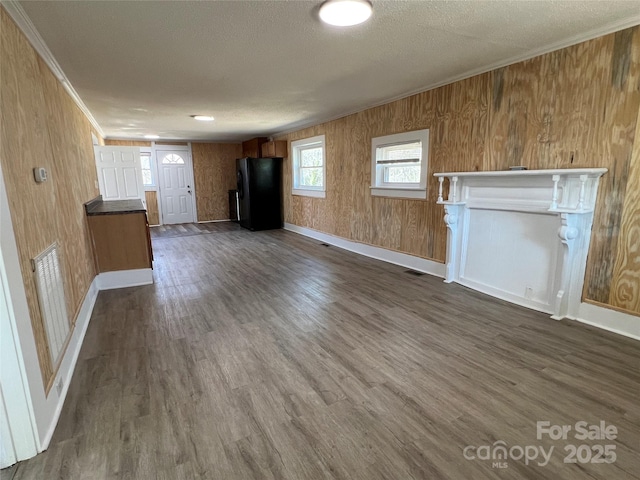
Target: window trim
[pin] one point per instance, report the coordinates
(154, 180)
(395, 190)
(296, 147)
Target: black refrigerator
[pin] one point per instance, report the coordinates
(259, 193)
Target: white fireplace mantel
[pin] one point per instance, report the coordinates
(521, 235)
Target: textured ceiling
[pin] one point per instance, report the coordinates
(261, 67)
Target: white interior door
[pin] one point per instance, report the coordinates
(175, 180)
(119, 173)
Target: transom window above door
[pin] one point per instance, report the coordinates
(172, 159)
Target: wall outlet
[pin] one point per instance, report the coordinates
(528, 293)
(59, 386)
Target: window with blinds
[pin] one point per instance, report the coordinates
(399, 164)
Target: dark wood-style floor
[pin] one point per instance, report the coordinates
(185, 229)
(267, 355)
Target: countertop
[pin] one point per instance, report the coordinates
(97, 206)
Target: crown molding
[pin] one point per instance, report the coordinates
(536, 52)
(24, 23)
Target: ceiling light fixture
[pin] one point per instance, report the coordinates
(344, 13)
(152, 137)
(202, 118)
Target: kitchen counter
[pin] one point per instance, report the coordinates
(121, 240)
(97, 206)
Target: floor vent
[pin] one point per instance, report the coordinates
(325, 244)
(414, 272)
(50, 286)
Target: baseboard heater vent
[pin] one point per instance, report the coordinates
(414, 273)
(50, 285)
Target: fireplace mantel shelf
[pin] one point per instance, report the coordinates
(520, 173)
(568, 190)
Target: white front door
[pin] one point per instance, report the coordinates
(119, 173)
(176, 186)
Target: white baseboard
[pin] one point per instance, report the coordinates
(611, 320)
(379, 253)
(124, 278)
(68, 365)
(215, 221)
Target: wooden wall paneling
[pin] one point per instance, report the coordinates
(127, 143)
(74, 175)
(457, 138)
(334, 211)
(571, 108)
(214, 170)
(612, 141)
(625, 288)
(575, 107)
(25, 144)
(522, 106)
(42, 126)
(153, 214)
(387, 216)
(412, 234)
(354, 147)
(357, 152)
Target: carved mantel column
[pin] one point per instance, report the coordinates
(452, 220)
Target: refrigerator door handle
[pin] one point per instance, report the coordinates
(240, 184)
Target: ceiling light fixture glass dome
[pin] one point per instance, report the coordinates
(344, 13)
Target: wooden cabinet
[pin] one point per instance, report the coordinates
(252, 148)
(121, 241)
(261, 147)
(277, 148)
